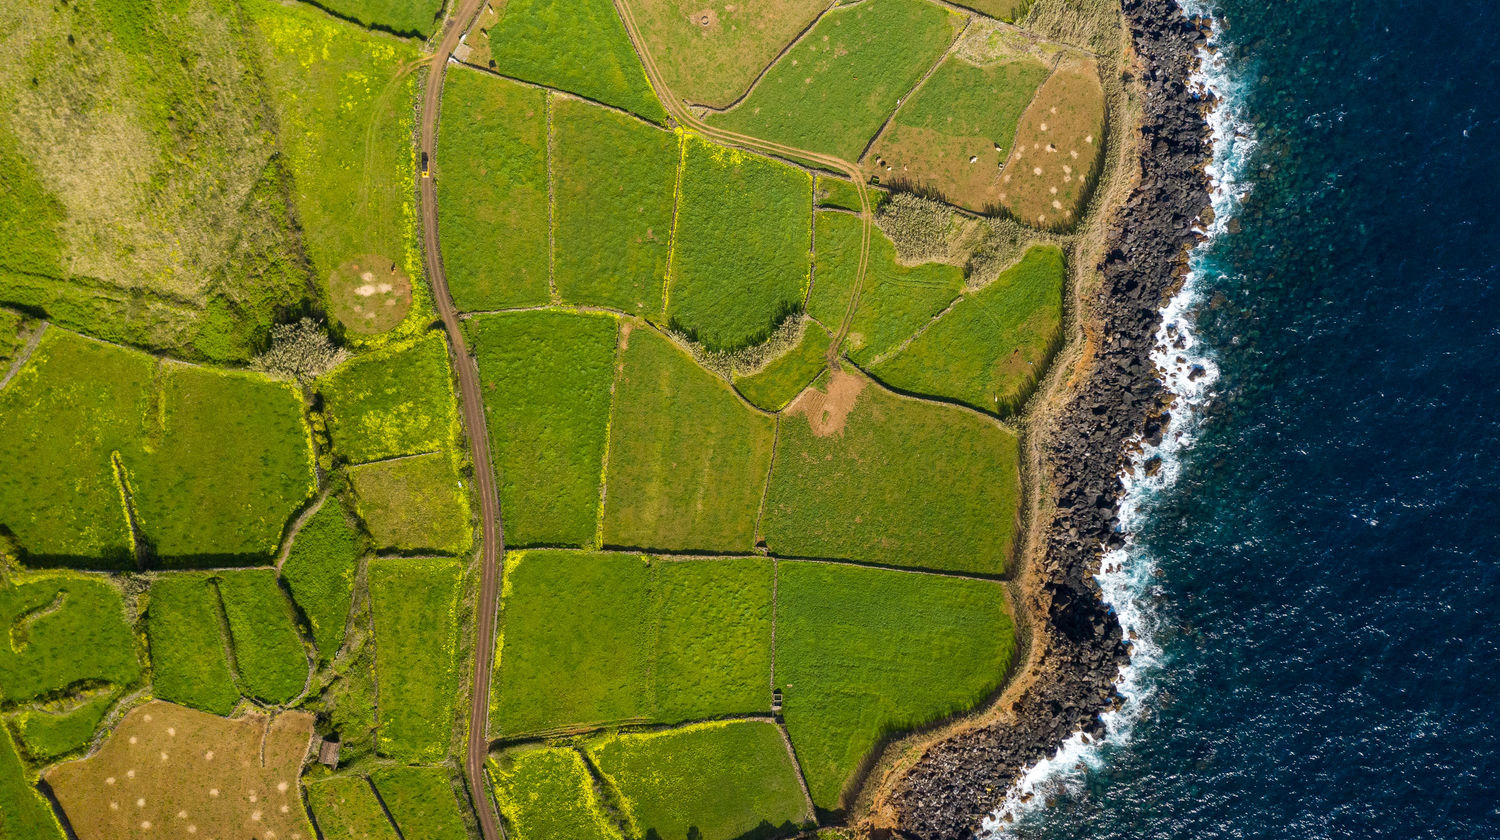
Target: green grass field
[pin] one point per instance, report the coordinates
(591, 639)
(773, 386)
(394, 401)
(12, 325)
(228, 461)
(841, 193)
(994, 345)
(63, 629)
(407, 17)
(421, 802)
(863, 653)
(345, 808)
(579, 46)
(343, 99)
(953, 135)
(722, 780)
(49, 735)
(730, 297)
(902, 483)
(832, 91)
(546, 793)
(687, 459)
(414, 505)
(492, 186)
(24, 812)
(319, 570)
(546, 379)
(189, 660)
(268, 652)
(415, 606)
(614, 181)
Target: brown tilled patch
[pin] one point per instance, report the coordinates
(170, 771)
(1058, 148)
(369, 294)
(826, 411)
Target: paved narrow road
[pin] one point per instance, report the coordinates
(493, 540)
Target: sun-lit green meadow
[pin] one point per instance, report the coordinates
(189, 655)
(415, 605)
(546, 792)
(319, 571)
(394, 401)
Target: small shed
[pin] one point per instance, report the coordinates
(776, 701)
(328, 753)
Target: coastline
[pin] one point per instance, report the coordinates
(1109, 398)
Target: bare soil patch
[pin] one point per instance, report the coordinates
(369, 294)
(826, 411)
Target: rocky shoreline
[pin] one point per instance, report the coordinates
(960, 781)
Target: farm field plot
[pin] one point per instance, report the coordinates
(23, 810)
(952, 136)
(832, 91)
(687, 459)
(841, 193)
(415, 604)
(231, 777)
(579, 46)
(268, 651)
(414, 505)
(51, 734)
(710, 53)
(144, 195)
(631, 639)
(614, 185)
(863, 653)
(63, 629)
(546, 379)
(319, 570)
(863, 474)
(493, 190)
(189, 658)
(993, 346)
(773, 386)
(724, 780)
(1059, 144)
(421, 802)
(345, 123)
(346, 809)
(545, 793)
(406, 17)
(394, 401)
(730, 296)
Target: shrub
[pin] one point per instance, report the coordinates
(300, 351)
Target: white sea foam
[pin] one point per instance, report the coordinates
(1189, 372)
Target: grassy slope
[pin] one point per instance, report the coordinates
(861, 653)
(24, 813)
(773, 386)
(991, 349)
(268, 651)
(546, 793)
(686, 458)
(346, 809)
(905, 483)
(421, 802)
(415, 608)
(47, 735)
(492, 187)
(189, 663)
(320, 571)
(832, 91)
(729, 297)
(546, 378)
(723, 779)
(575, 45)
(84, 638)
(395, 401)
(414, 505)
(614, 184)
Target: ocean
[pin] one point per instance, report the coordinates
(1313, 574)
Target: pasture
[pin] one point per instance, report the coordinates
(346, 809)
(831, 92)
(546, 379)
(864, 474)
(687, 459)
(784, 377)
(1006, 10)
(732, 297)
(51, 733)
(406, 17)
(546, 793)
(63, 629)
(579, 46)
(24, 812)
(1059, 145)
(841, 193)
(268, 650)
(414, 505)
(397, 400)
(415, 605)
(716, 781)
(492, 186)
(369, 295)
(319, 570)
(866, 653)
(421, 802)
(614, 183)
(189, 658)
(990, 349)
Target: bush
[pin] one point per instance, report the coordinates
(300, 351)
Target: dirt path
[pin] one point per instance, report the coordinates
(493, 535)
(25, 354)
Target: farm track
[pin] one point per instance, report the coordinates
(492, 530)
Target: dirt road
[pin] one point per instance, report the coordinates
(493, 540)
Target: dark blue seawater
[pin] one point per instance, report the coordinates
(1329, 559)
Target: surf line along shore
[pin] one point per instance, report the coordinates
(1079, 649)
